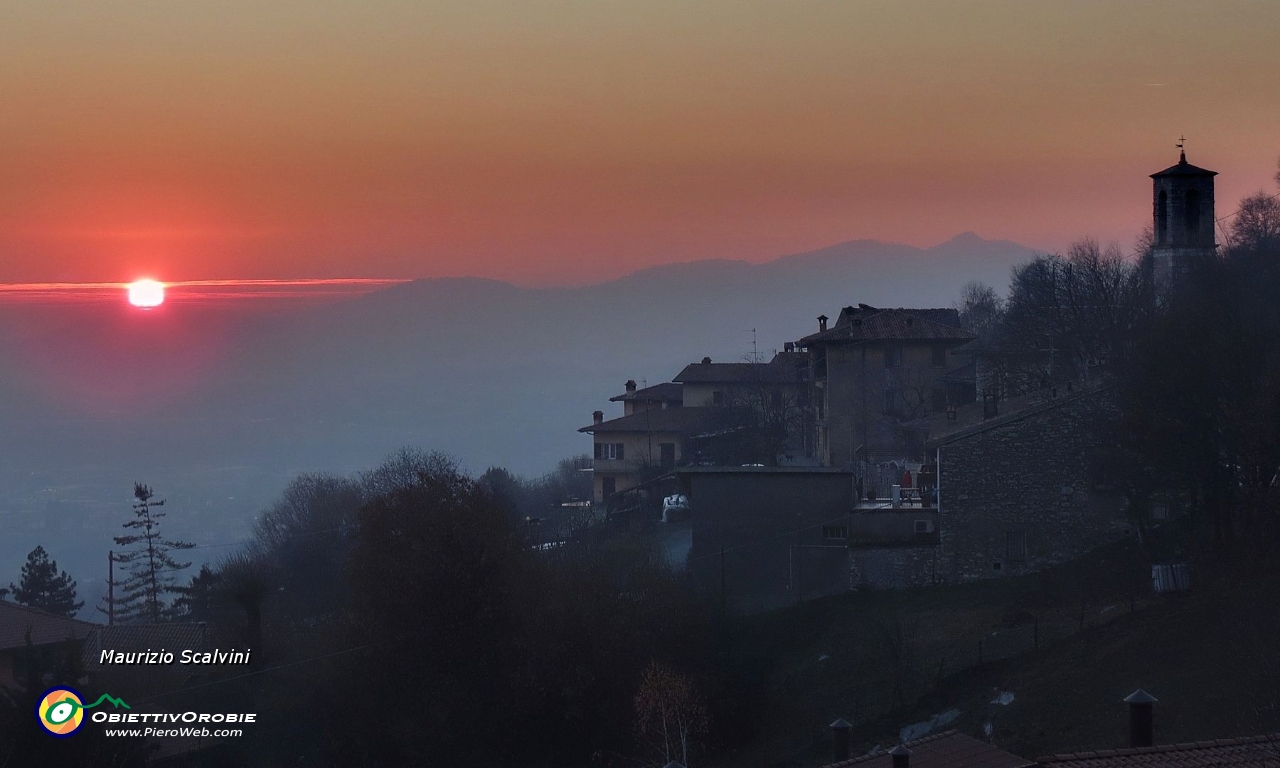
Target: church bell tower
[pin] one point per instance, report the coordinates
(1183, 220)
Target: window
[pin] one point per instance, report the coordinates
(1015, 545)
(835, 532)
(1193, 214)
(609, 451)
(717, 398)
(893, 356)
(1162, 218)
(890, 402)
(939, 355)
(939, 398)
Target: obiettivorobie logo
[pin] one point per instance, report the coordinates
(61, 710)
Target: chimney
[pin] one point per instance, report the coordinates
(1141, 723)
(631, 386)
(706, 361)
(840, 739)
(789, 346)
(597, 417)
(822, 323)
(901, 757)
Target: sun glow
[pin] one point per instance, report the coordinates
(146, 294)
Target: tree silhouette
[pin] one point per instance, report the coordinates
(151, 568)
(44, 587)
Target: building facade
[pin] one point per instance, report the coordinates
(1017, 492)
(876, 368)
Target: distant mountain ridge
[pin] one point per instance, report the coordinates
(492, 373)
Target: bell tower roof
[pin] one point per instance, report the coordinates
(1183, 168)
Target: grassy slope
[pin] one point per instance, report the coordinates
(1206, 655)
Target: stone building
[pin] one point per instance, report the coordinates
(876, 368)
(1182, 221)
(1016, 493)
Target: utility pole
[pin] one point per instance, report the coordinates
(724, 600)
(111, 588)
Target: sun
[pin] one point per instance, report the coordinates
(146, 294)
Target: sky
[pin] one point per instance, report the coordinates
(562, 143)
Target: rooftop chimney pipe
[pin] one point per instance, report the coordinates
(901, 757)
(706, 361)
(597, 417)
(822, 323)
(840, 739)
(1141, 722)
(631, 385)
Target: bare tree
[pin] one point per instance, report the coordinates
(670, 714)
(980, 307)
(1257, 223)
(1079, 309)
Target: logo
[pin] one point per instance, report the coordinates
(61, 710)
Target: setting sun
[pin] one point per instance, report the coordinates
(146, 294)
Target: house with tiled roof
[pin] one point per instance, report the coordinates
(642, 445)
(710, 383)
(875, 368)
(950, 749)
(665, 395)
(20, 624)
(669, 424)
(143, 680)
(1250, 752)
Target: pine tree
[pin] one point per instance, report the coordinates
(44, 587)
(141, 596)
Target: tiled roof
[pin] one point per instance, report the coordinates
(939, 430)
(665, 391)
(1183, 168)
(46, 628)
(685, 421)
(950, 749)
(782, 372)
(1253, 751)
(871, 324)
(142, 637)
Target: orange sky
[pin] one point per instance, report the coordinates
(567, 142)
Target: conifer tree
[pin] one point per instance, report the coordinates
(151, 568)
(44, 587)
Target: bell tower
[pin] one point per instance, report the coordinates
(1183, 224)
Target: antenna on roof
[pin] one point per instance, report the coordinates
(755, 354)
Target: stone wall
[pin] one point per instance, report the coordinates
(1017, 495)
(895, 567)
